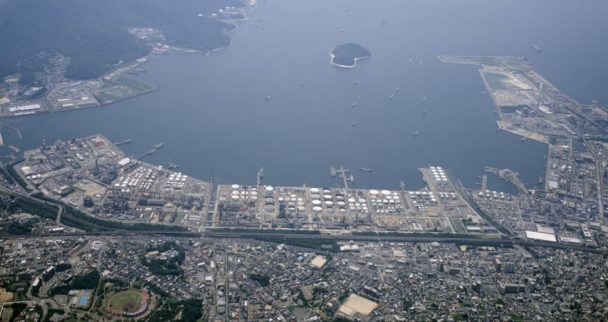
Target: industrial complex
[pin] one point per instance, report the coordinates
(117, 238)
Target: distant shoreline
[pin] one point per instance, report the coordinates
(121, 70)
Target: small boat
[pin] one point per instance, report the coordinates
(522, 139)
(172, 166)
(355, 124)
(424, 113)
(424, 99)
(159, 146)
(390, 97)
(354, 104)
(368, 170)
(269, 97)
(397, 89)
(416, 133)
(357, 82)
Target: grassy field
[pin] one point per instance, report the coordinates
(125, 302)
(121, 88)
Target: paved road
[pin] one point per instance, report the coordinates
(291, 235)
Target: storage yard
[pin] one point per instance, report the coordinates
(437, 208)
(94, 176)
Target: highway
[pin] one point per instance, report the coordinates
(598, 175)
(295, 235)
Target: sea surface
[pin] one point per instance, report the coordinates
(212, 114)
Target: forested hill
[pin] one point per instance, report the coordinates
(93, 33)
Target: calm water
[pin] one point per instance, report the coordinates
(213, 117)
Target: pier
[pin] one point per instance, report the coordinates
(123, 142)
(342, 173)
(259, 177)
(151, 151)
(510, 176)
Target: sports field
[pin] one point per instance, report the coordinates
(130, 301)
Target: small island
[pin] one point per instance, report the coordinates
(347, 55)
